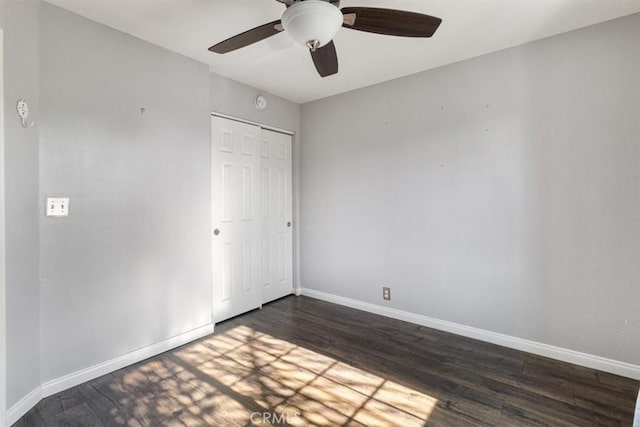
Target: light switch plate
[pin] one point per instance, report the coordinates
(57, 206)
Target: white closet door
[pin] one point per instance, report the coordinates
(277, 212)
(236, 216)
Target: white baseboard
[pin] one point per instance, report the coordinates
(73, 379)
(590, 361)
(22, 407)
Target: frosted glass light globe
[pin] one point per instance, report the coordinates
(312, 23)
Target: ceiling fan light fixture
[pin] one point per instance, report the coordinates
(312, 23)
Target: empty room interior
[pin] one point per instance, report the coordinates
(319, 213)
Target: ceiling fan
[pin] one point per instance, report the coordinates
(314, 23)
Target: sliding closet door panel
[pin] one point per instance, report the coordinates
(277, 212)
(237, 238)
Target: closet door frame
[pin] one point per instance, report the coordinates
(295, 197)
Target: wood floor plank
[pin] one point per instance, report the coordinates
(324, 364)
(48, 408)
(78, 416)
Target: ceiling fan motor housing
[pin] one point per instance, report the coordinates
(312, 23)
(290, 2)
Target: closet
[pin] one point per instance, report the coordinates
(251, 215)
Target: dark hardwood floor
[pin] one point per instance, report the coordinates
(300, 361)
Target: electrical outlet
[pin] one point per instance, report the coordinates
(386, 293)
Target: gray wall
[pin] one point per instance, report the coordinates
(131, 266)
(19, 20)
(236, 99)
(502, 192)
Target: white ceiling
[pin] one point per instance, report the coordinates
(470, 28)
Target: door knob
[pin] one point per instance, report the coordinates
(289, 224)
(216, 232)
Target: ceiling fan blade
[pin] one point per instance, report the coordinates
(248, 37)
(325, 59)
(390, 22)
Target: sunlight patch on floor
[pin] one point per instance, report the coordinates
(245, 377)
(243, 371)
